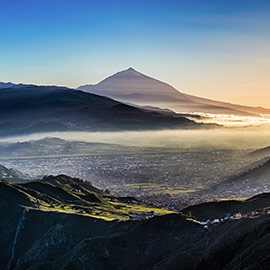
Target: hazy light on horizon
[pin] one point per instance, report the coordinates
(212, 49)
(230, 120)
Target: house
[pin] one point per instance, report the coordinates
(203, 223)
(216, 221)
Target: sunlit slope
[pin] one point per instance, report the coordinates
(134, 87)
(47, 224)
(12, 175)
(64, 194)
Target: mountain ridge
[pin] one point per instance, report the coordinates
(50, 108)
(71, 225)
(132, 86)
(4, 85)
(12, 175)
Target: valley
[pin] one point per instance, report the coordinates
(168, 177)
(135, 135)
(91, 183)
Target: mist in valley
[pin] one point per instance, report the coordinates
(187, 166)
(233, 138)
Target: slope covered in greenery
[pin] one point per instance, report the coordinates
(66, 223)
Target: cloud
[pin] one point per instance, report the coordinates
(233, 120)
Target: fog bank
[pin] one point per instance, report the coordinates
(203, 138)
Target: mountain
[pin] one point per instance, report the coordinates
(212, 210)
(6, 85)
(50, 108)
(262, 152)
(51, 146)
(250, 180)
(12, 175)
(13, 85)
(65, 223)
(134, 87)
(257, 176)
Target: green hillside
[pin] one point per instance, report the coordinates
(65, 223)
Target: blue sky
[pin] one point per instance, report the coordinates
(217, 49)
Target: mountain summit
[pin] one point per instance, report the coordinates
(130, 72)
(134, 87)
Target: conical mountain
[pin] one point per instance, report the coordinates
(130, 81)
(134, 87)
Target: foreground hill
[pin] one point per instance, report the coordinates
(12, 175)
(64, 194)
(48, 108)
(134, 87)
(65, 223)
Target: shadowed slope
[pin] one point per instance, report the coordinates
(41, 234)
(48, 108)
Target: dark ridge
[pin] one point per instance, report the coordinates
(261, 167)
(213, 210)
(53, 218)
(50, 108)
(262, 151)
(259, 197)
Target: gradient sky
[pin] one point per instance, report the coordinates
(218, 49)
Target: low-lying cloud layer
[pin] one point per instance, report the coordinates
(242, 137)
(233, 120)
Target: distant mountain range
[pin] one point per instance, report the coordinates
(29, 109)
(13, 85)
(51, 146)
(134, 87)
(65, 223)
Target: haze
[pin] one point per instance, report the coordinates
(238, 138)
